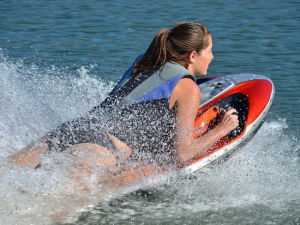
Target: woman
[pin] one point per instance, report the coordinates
(152, 114)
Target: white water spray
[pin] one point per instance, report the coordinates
(35, 100)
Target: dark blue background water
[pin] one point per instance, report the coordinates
(59, 58)
(249, 36)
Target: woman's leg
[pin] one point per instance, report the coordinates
(30, 156)
(89, 155)
(124, 150)
(89, 160)
(93, 159)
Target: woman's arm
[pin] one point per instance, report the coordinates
(186, 95)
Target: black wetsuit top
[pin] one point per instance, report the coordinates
(145, 123)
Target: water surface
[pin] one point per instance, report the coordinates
(58, 59)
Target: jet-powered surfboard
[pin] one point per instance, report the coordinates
(250, 94)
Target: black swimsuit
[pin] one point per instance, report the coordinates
(148, 127)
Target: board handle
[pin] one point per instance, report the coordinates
(204, 120)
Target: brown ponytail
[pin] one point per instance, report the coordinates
(173, 45)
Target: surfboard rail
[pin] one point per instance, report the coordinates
(257, 90)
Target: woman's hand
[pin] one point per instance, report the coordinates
(229, 121)
(186, 95)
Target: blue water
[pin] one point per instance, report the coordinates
(58, 59)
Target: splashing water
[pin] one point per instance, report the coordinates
(34, 101)
(262, 177)
(257, 182)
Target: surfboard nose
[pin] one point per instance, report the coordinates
(260, 95)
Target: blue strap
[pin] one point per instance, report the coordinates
(127, 74)
(162, 91)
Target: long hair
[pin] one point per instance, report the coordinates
(173, 45)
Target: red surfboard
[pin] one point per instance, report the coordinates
(251, 95)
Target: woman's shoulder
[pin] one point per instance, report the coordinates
(188, 84)
(187, 87)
